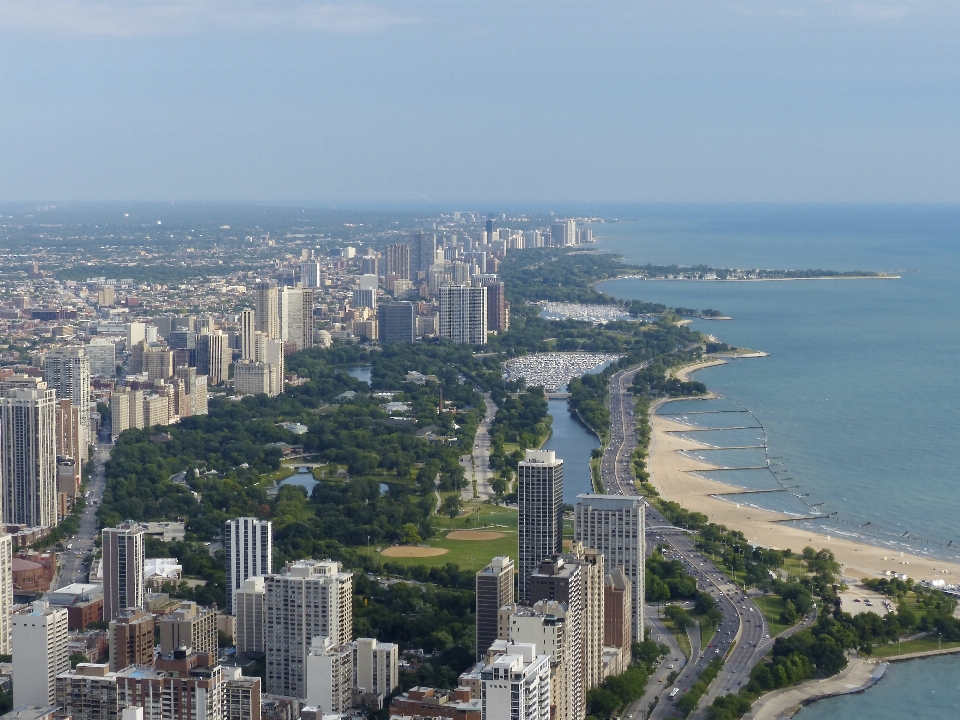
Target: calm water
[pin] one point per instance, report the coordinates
(573, 443)
(859, 396)
(918, 689)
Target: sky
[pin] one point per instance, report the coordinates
(472, 100)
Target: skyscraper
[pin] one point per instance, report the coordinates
(213, 357)
(398, 261)
(494, 590)
(365, 298)
(296, 317)
(564, 233)
(191, 626)
(311, 598)
(516, 685)
(6, 592)
(497, 308)
(40, 646)
(397, 322)
(28, 454)
(250, 611)
(422, 253)
(248, 326)
(122, 569)
(615, 526)
(267, 308)
(248, 543)
(463, 314)
(67, 372)
(310, 274)
(540, 497)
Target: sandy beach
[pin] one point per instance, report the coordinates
(669, 474)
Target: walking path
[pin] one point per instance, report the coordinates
(476, 466)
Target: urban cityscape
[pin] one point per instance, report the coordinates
(419, 360)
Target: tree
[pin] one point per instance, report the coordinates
(499, 486)
(451, 506)
(409, 535)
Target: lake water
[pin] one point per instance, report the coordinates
(360, 372)
(573, 443)
(859, 396)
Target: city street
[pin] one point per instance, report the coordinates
(71, 568)
(477, 466)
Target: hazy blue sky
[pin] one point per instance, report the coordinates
(456, 100)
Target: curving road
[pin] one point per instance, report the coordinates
(742, 637)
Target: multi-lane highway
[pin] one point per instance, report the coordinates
(743, 635)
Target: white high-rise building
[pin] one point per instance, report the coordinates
(311, 598)
(40, 653)
(249, 606)
(67, 372)
(253, 378)
(329, 675)
(296, 317)
(545, 625)
(28, 454)
(248, 326)
(615, 526)
(122, 569)
(516, 685)
(6, 592)
(375, 666)
(267, 308)
(136, 332)
(274, 358)
(310, 274)
(463, 314)
(540, 497)
(248, 543)
(103, 357)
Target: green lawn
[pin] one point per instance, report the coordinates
(771, 606)
(911, 646)
(470, 555)
(681, 637)
(278, 475)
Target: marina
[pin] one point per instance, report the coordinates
(596, 314)
(553, 371)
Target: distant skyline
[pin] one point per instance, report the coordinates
(479, 102)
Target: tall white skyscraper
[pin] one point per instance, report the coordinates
(296, 317)
(122, 569)
(40, 652)
(136, 332)
(273, 356)
(267, 308)
(103, 357)
(67, 372)
(516, 685)
(615, 526)
(28, 454)
(463, 314)
(248, 326)
(540, 497)
(329, 676)
(6, 592)
(310, 274)
(248, 543)
(310, 598)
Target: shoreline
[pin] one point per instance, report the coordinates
(670, 475)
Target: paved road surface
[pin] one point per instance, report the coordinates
(71, 568)
(477, 466)
(743, 627)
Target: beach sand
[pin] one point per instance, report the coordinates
(668, 472)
